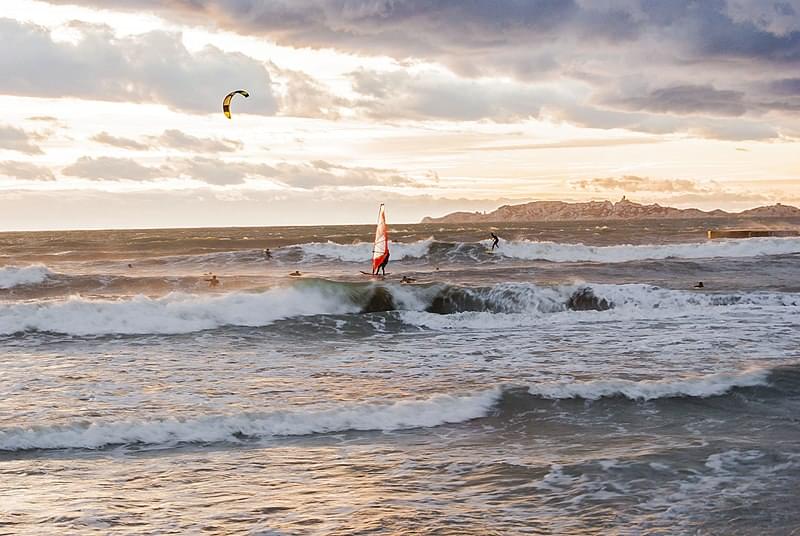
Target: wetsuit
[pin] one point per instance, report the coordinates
(495, 241)
(382, 266)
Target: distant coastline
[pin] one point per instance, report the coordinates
(605, 210)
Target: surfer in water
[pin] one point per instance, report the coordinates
(213, 282)
(267, 254)
(495, 241)
(699, 285)
(382, 265)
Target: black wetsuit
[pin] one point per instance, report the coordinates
(382, 266)
(495, 241)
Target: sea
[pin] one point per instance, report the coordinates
(572, 381)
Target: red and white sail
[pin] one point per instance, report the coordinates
(380, 249)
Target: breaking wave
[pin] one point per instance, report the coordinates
(12, 276)
(430, 250)
(436, 251)
(359, 252)
(401, 415)
(496, 402)
(703, 386)
(555, 252)
(433, 306)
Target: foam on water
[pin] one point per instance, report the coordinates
(556, 252)
(562, 252)
(173, 313)
(362, 251)
(510, 305)
(406, 414)
(12, 276)
(702, 386)
(434, 306)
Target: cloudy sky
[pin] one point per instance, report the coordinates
(112, 108)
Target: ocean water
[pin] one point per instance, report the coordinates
(571, 382)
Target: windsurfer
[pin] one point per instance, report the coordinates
(382, 265)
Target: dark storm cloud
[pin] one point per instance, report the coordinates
(652, 58)
(16, 139)
(25, 171)
(452, 29)
(153, 67)
(688, 100)
(786, 86)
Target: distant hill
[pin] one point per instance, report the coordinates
(605, 210)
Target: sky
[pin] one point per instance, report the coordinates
(112, 108)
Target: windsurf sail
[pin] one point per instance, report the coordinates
(380, 248)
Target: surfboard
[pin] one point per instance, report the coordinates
(375, 275)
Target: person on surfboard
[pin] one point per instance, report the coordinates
(495, 241)
(382, 265)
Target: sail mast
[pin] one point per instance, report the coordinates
(380, 248)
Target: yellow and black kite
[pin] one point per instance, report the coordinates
(226, 102)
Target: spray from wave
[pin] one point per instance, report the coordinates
(12, 276)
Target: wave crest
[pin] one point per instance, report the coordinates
(13, 276)
(702, 386)
(401, 415)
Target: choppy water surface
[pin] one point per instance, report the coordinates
(572, 382)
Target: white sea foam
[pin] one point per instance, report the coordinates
(363, 250)
(401, 415)
(505, 305)
(12, 276)
(702, 386)
(174, 313)
(557, 252)
(517, 304)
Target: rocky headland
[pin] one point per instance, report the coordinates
(605, 210)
